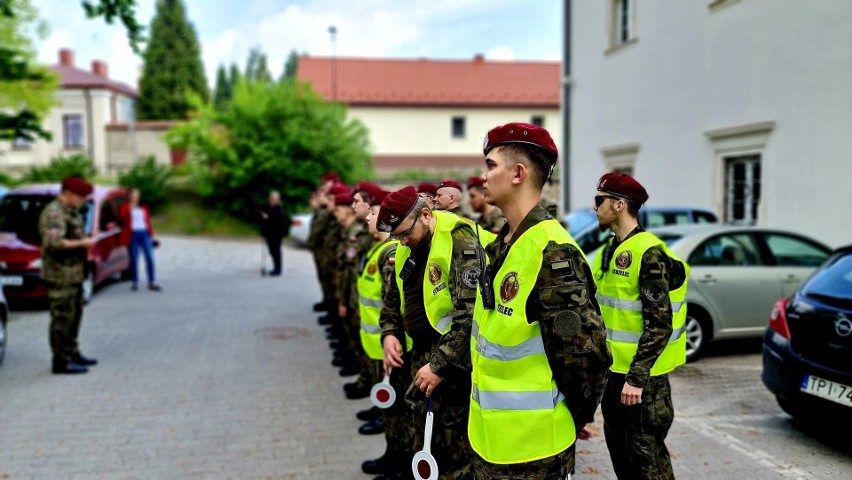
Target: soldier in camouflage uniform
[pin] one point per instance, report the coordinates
(439, 360)
(543, 328)
(449, 198)
(490, 219)
(64, 252)
(357, 240)
(637, 405)
(320, 224)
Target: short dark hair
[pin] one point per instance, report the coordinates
(536, 159)
(633, 207)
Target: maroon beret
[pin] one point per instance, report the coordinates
(623, 185)
(330, 177)
(524, 134)
(379, 196)
(475, 181)
(451, 184)
(429, 188)
(370, 192)
(77, 185)
(395, 207)
(338, 188)
(343, 198)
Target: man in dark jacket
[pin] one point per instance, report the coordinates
(272, 229)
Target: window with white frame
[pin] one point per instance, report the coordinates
(537, 120)
(621, 22)
(72, 129)
(620, 158)
(21, 144)
(742, 189)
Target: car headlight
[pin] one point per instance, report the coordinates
(35, 263)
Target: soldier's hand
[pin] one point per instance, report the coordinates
(393, 352)
(585, 433)
(426, 380)
(341, 310)
(631, 395)
(87, 242)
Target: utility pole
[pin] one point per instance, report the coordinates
(332, 30)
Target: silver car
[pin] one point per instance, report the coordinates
(737, 274)
(300, 228)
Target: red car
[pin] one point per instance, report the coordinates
(20, 242)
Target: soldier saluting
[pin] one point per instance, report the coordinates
(64, 251)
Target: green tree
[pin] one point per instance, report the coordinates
(78, 165)
(222, 92)
(172, 65)
(26, 90)
(291, 66)
(150, 178)
(235, 77)
(256, 67)
(279, 136)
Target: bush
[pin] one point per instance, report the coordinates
(150, 179)
(60, 167)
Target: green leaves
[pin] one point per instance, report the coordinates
(271, 136)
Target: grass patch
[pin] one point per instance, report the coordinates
(188, 216)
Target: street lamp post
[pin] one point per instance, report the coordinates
(332, 30)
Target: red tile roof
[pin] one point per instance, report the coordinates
(72, 77)
(396, 82)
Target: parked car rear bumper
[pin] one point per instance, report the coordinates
(784, 369)
(33, 286)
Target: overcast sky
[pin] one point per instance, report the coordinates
(227, 29)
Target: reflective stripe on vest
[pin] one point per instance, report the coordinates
(517, 400)
(517, 413)
(437, 300)
(621, 305)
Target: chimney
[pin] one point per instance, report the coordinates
(99, 68)
(478, 58)
(66, 57)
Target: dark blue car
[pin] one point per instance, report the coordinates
(807, 349)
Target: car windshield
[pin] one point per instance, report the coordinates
(579, 220)
(19, 214)
(834, 282)
(669, 238)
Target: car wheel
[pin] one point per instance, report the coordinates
(88, 286)
(697, 336)
(2, 339)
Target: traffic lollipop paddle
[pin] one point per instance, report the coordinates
(424, 465)
(382, 394)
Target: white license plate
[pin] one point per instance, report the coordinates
(820, 387)
(11, 280)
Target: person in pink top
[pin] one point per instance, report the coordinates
(137, 233)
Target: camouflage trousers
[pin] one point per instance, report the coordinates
(352, 329)
(557, 467)
(66, 311)
(450, 411)
(398, 417)
(635, 434)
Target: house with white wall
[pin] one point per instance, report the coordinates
(434, 114)
(740, 106)
(86, 102)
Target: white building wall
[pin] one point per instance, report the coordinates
(695, 69)
(428, 131)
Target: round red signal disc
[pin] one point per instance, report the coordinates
(382, 395)
(424, 466)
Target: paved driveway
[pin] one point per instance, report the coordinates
(225, 374)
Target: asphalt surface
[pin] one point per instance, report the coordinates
(226, 374)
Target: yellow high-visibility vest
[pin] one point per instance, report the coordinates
(370, 302)
(437, 300)
(517, 413)
(621, 305)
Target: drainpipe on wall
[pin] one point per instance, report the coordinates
(90, 130)
(566, 110)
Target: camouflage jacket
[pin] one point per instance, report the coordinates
(319, 224)
(656, 275)
(357, 240)
(493, 222)
(450, 352)
(563, 302)
(57, 223)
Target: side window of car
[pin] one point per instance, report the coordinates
(737, 250)
(704, 217)
(792, 251)
(107, 216)
(88, 212)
